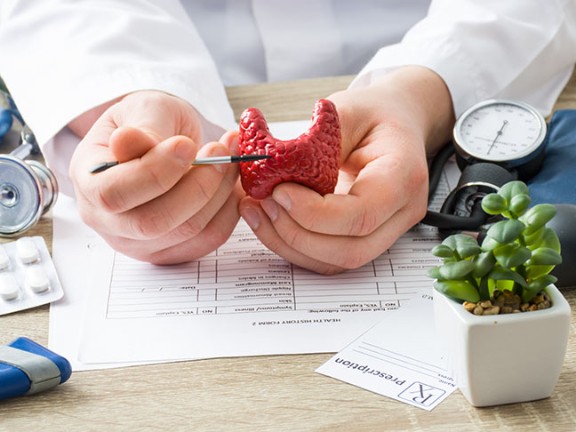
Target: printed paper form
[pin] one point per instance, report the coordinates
(241, 300)
(244, 277)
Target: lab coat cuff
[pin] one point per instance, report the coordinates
(445, 59)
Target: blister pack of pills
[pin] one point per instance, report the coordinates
(28, 277)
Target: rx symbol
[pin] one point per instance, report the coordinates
(421, 394)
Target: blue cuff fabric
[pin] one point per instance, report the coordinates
(556, 181)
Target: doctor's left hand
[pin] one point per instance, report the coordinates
(154, 206)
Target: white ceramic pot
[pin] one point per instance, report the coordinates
(504, 359)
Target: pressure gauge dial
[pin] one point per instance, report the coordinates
(507, 133)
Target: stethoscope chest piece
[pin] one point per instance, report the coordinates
(28, 190)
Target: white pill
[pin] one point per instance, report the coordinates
(27, 251)
(4, 259)
(37, 280)
(9, 289)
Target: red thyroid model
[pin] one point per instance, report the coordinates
(311, 160)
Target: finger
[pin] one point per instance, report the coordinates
(375, 195)
(138, 181)
(259, 222)
(196, 197)
(344, 252)
(176, 248)
(230, 140)
(127, 143)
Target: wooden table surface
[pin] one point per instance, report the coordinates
(271, 393)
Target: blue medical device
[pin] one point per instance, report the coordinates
(27, 367)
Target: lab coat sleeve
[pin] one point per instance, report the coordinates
(61, 58)
(523, 50)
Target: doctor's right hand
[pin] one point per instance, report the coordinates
(153, 206)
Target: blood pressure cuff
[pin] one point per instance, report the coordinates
(555, 183)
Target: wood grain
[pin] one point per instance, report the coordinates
(270, 393)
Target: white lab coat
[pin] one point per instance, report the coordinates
(61, 58)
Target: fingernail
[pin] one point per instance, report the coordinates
(283, 199)
(221, 168)
(271, 208)
(252, 218)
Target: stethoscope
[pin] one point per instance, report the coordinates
(28, 189)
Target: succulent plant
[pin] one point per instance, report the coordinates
(517, 253)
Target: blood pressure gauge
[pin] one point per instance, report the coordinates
(506, 133)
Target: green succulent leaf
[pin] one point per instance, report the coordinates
(537, 285)
(464, 245)
(538, 216)
(442, 251)
(483, 264)
(550, 240)
(545, 256)
(534, 238)
(459, 290)
(456, 271)
(519, 204)
(535, 271)
(499, 274)
(506, 231)
(512, 255)
(494, 204)
(513, 188)
(489, 244)
(434, 272)
(543, 237)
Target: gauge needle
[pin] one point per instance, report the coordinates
(498, 135)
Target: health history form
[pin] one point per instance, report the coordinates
(243, 277)
(241, 300)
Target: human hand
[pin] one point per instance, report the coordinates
(154, 206)
(382, 191)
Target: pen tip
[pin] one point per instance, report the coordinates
(256, 157)
(103, 167)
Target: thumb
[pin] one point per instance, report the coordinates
(127, 143)
(230, 140)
